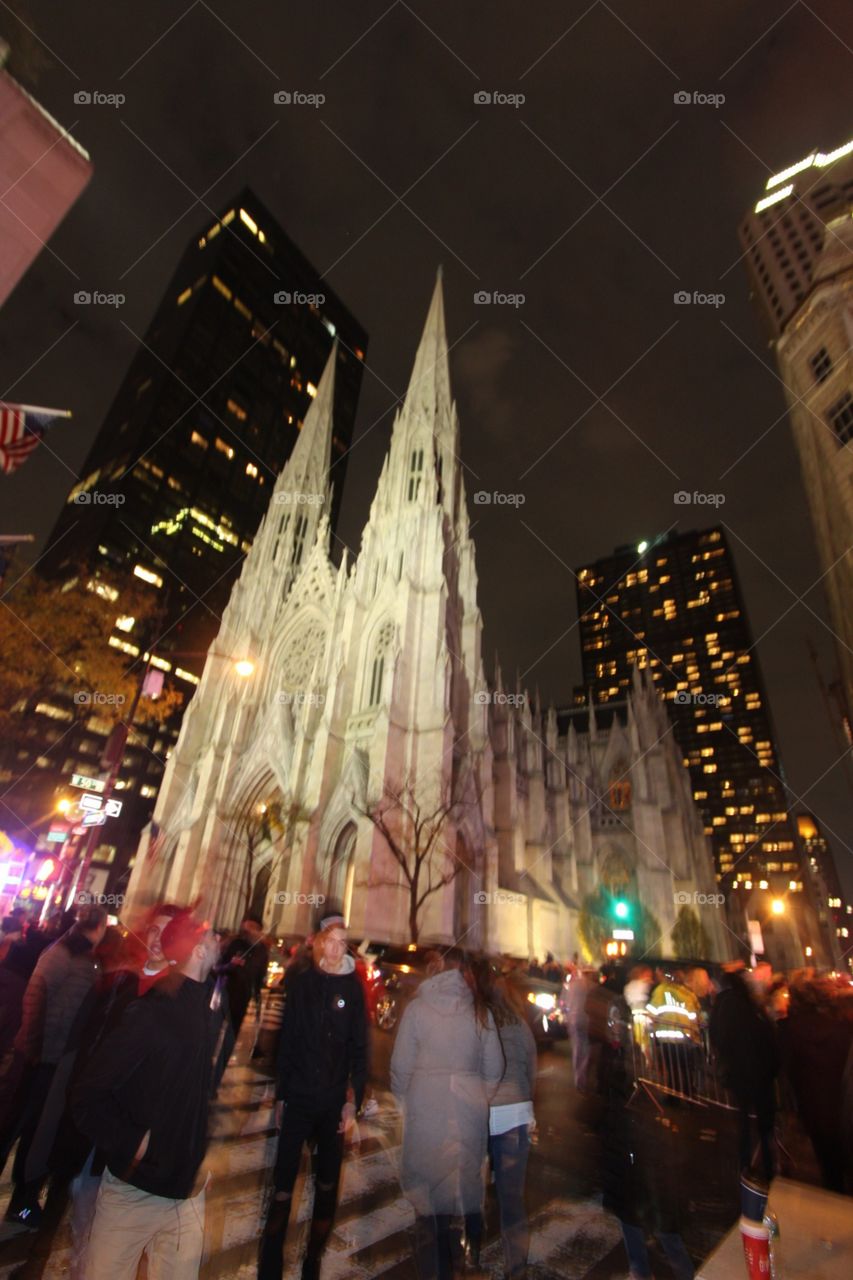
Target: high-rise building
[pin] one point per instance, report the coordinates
(181, 471)
(673, 606)
(833, 905)
(799, 251)
(42, 172)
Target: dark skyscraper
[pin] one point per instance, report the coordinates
(674, 605)
(182, 469)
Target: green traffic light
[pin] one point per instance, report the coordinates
(621, 910)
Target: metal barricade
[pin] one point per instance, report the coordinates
(672, 1061)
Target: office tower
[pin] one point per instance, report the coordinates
(798, 243)
(673, 606)
(833, 903)
(42, 172)
(181, 471)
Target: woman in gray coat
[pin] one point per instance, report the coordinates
(444, 1069)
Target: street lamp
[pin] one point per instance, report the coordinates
(244, 667)
(777, 906)
(64, 805)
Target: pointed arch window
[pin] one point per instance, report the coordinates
(300, 529)
(382, 650)
(416, 472)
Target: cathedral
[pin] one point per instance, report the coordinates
(344, 744)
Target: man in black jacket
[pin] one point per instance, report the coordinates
(143, 1102)
(322, 1071)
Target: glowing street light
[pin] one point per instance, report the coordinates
(64, 805)
(777, 907)
(244, 667)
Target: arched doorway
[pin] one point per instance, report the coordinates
(341, 877)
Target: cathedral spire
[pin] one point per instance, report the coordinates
(306, 471)
(429, 385)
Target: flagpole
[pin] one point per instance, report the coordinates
(39, 408)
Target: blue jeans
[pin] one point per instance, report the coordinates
(508, 1153)
(672, 1245)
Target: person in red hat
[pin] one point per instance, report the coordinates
(143, 1103)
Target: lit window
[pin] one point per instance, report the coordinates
(195, 438)
(221, 287)
(237, 409)
(249, 221)
(126, 622)
(251, 469)
(311, 389)
(222, 447)
(182, 298)
(147, 575)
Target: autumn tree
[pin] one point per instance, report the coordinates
(414, 833)
(689, 937)
(54, 643)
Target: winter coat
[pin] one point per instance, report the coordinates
(744, 1039)
(323, 1045)
(152, 1074)
(64, 975)
(244, 981)
(815, 1047)
(445, 1069)
(519, 1078)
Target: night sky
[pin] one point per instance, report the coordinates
(597, 199)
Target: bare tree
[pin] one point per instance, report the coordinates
(268, 823)
(415, 836)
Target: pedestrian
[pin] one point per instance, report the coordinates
(445, 1068)
(156, 964)
(816, 1039)
(15, 971)
(143, 1101)
(64, 975)
(642, 1168)
(552, 970)
(321, 1075)
(744, 1040)
(246, 958)
(511, 1117)
(578, 1025)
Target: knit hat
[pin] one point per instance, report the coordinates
(331, 919)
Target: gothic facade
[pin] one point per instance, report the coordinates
(367, 761)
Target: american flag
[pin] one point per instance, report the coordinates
(21, 428)
(155, 843)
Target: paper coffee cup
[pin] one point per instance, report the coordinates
(756, 1249)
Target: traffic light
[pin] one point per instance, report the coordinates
(621, 910)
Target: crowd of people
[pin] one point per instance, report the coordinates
(114, 1040)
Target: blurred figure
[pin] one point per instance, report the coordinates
(156, 964)
(322, 1059)
(578, 1025)
(246, 959)
(675, 1030)
(445, 1067)
(63, 976)
(552, 970)
(744, 1040)
(143, 1100)
(534, 969)
(816, 1040)
(641, 1184)
(511, 1115)
(15, 970)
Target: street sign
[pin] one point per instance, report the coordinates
(96, 819)
(57, 837)
(90, 801)
(623, 935)
(112, 808)
(87, 784)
